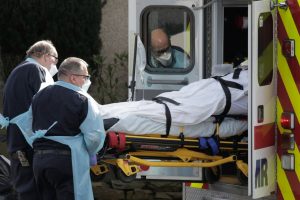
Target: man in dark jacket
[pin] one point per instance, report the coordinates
(67, 130)
(22, 84)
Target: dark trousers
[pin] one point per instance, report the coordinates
(22, 177)
(54, 177)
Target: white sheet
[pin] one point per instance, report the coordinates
(198, 101)
(135, 125)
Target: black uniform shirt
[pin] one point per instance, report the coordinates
(57, 103)
(23, 82)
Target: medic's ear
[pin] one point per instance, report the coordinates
(72, 79)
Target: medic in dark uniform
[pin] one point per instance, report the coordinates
(68, 130)
(22, 84)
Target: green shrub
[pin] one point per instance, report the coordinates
(110, 79)
(72, 25)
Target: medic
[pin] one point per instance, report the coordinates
(22, 84)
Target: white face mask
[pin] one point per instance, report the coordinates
(165, 59)
(53, 70)
(86, 85)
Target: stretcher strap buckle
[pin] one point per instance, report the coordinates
(181, 137)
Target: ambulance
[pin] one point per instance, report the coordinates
(214, 32)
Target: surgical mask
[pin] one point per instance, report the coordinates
(165, 59)
(53, 70)
(86, 85)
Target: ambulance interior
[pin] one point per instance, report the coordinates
(231, 47)
(235, 46)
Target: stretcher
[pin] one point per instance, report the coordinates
(133, 152)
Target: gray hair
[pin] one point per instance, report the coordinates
(71, 65)
(41, 48)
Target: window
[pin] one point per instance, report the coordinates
(265, 49)
(168, 32)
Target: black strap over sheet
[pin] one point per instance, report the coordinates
(219, 118)
(226, 85)
(162, 100)
(236, 73)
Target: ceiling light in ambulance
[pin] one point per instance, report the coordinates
(287, 120)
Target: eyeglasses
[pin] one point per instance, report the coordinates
(86, 77)
(55, 57)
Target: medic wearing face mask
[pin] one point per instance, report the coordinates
(31, 75)
(65, 128)
(163, 54)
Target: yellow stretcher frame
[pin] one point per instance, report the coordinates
(182, 157)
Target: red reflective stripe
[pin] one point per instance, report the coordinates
(295, 11)
(283, 95)
(264, 136)
(279, 194)
(292, 62)
(294, 182)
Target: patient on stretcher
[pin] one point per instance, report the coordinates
(191, 108)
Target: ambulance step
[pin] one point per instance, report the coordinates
(219, 191)
(230, 189)
(205, 194)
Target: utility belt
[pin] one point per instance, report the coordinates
(22, 155)
(52, 151)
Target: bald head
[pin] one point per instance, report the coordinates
(159, 40)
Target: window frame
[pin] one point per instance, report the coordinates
(145, 39)
(266, 79)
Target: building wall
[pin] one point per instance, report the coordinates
(114, 28)
(114, 38)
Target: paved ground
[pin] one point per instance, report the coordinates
(111, 189)
(138, 190)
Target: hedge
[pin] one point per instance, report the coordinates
(72, 25)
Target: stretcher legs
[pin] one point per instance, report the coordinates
(139, 153)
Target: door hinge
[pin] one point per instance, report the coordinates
(282, 5)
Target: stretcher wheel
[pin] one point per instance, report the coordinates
(241, 177)
(123, 177)
(212, 174)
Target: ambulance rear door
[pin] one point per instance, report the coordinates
(262, 98)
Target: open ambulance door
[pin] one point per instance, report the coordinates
(182, 24)
(262, 95)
